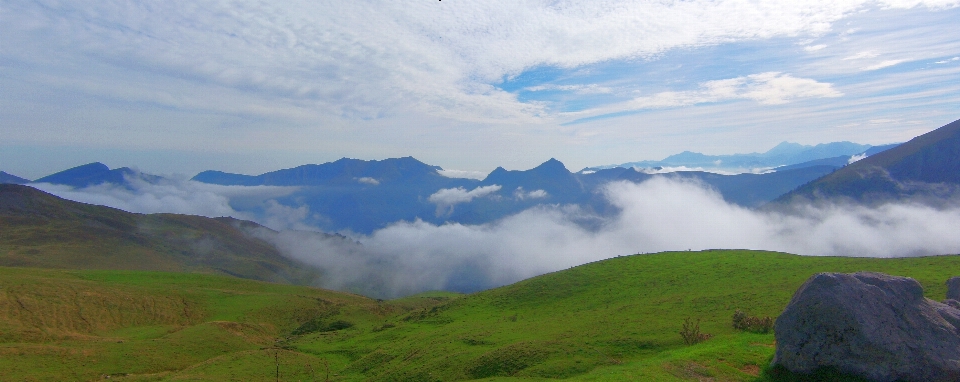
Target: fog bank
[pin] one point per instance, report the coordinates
(660, 214)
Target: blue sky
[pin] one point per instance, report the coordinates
(249, 87)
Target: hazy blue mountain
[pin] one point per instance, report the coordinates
(927, 168)
(93, 174)
(748, 190)
(550, 176)
(364, 196)
(6, 178)
(343, 172)
(784, 154)
(353, 194)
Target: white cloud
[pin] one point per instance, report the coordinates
(720, 170)
(579, 89)
(520, 194)
(861, 55)
(446, 198)
(368, 180)
(466, 174)
(814, 48)
(884, 64)
(433, 57)
(770, 88)
(950, 60)
(856, 158)
(192, 198)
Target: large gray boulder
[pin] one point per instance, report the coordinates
(872, 325)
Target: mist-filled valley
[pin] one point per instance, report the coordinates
(526, 233)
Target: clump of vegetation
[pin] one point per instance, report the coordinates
(691, 332)
(742, 321)
(319, 326)
(383, 327)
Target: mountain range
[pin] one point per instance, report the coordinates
(784, 154)
(364, 196)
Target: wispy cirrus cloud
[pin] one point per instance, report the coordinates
(771, 88)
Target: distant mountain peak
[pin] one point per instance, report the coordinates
(551, 165)
(95, 173)
(786, 148)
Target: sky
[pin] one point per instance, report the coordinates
(255, 86)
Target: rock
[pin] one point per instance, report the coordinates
(872, 325)
(953, 288)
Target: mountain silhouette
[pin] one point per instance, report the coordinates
(92, 174)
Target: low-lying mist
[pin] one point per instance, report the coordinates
(657, 215)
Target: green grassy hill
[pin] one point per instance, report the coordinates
(44, 231)
(611, 320)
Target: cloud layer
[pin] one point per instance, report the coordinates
(657, 215)
(660, 214)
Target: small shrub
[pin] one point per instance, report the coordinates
(742, 321)
(691, 332)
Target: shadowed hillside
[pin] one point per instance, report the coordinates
(927, 168)
(42, 230)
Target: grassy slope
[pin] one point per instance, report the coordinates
(44, 231)
(611, 320)
(81, 325)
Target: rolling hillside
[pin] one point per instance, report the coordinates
(42, 230)
(611, 320)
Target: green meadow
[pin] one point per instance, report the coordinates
(612, 320)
